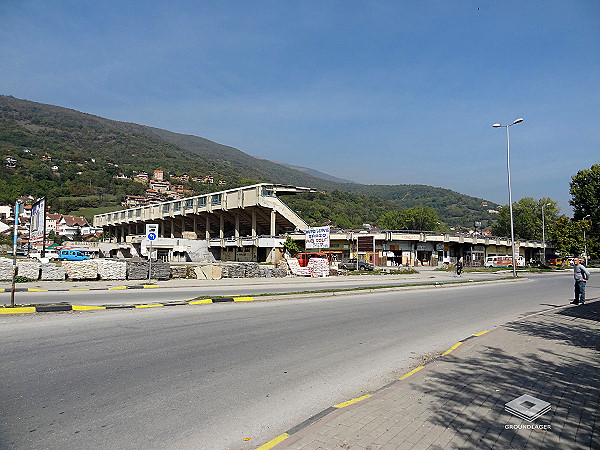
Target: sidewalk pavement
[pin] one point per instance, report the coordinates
(459, 399)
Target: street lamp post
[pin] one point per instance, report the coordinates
(544, 233)
(512, 226)
(585, 243)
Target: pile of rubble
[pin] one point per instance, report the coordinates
(316, 267)
(179, 272)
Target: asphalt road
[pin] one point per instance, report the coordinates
(210, 376)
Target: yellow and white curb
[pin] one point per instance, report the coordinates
(68, 307)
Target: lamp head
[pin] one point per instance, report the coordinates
(496, 125)
(519, 120)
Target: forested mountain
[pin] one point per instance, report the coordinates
(78, 160)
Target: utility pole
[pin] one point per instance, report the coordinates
(14, 272)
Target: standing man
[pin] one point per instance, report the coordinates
(581, 275)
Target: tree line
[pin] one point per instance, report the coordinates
(570, 236)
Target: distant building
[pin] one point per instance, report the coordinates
(160, 186)
(159, 175)
(10, 162)
(51, 221)
(69, 225)
(152, 195)
(5, 212)
(174, 196)
(141, 177)
(135, 200)
(26, 211)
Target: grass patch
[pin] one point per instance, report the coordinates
(382, 272)
(89, 213)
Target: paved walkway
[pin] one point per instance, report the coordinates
(459, 399)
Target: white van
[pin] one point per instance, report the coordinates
(49, 255)
(503, 261)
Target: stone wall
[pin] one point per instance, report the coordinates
(135, 269)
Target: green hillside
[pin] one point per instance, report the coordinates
(74, 159)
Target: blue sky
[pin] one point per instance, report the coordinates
(379, 92)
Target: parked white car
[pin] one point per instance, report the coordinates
(49, 255)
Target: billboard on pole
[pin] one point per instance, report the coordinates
(38, 221)
(317, 237)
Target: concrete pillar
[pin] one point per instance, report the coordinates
(221, 227)
(272, 222)
(237, 226)
(253, 223)
(273, 234)
(207, 228)
(172, 228)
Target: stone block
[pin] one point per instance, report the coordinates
(52, 272)
(28, 269)
(110, 269)
(81, 270)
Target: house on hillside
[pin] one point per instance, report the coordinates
(69, 225)
(152, 195)
(135, 200)
(160, 186)
(51, 221)
(5, 212)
